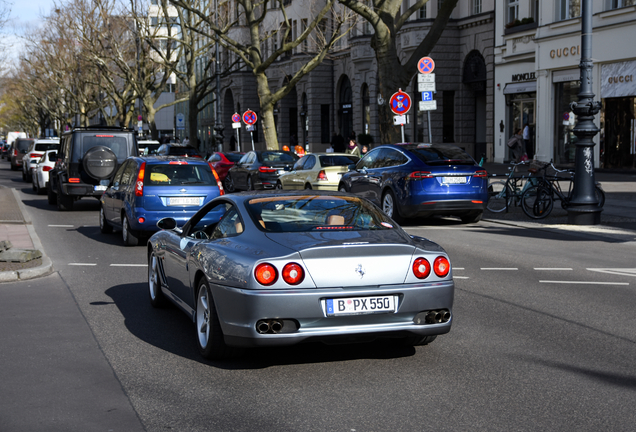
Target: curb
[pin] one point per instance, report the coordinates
(30, 273)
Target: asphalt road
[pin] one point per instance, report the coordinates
(544, 338)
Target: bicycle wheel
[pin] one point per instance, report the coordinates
(498, 196)
(537, 202)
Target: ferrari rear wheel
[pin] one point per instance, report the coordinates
(209, 334)
(157, 299)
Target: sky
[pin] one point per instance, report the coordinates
(25, 14)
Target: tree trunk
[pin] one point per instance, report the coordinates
(193, 118)
(267, 113)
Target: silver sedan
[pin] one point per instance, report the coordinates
(265, 269)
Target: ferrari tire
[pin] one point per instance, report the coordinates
(157, 298)
(209, 335)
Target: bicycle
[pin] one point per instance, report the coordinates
(502, 194)
(537, 201)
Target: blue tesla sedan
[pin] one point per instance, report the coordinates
(420, 180)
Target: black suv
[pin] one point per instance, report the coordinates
(86, 160)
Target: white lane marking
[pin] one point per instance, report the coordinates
(82, 264)
(129, 265)
(458, 268)
(616, 271)
(553, 268)
(61, 226)
(461, 277)
(499, 268)
(584, 282)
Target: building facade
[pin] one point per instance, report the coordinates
(537, 55)
(341, 95)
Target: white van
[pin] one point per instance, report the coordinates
(12, 136)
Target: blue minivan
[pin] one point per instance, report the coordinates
(147, 189)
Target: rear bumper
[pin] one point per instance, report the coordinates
(80, 189)
(444, 207)
(306, 308)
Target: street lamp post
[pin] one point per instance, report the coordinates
(583, 208)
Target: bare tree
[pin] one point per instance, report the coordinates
(259, 27)
(387, 20)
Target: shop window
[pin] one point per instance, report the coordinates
(448, 116)
(618, 133)
(565, 140)
(569, 9)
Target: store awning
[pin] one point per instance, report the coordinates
(522, 87)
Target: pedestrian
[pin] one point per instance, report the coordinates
(365, 150)
(353, 148)
(232, 143)
(517, 146)
(186, 141)
(526, 140)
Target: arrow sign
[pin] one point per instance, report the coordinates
(426, 65)
(249, 117)
(400, 103)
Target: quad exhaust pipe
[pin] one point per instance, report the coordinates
(433, 317)
(271, 326)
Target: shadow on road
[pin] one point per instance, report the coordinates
(171, 330)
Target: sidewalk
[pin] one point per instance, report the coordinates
(15, 226)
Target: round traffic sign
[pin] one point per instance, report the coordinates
(400, 102)
(236, 117)
(426, 65)
(249, 117)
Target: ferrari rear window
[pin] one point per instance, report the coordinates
(303, 213)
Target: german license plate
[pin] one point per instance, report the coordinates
(360, 305)
(454, 180)
(100, 188)
(183, 201)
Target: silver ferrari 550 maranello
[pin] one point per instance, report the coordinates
(279, 268)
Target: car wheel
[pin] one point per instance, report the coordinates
(342, 188)
(104, 226)
(472, 217)
(34, 186)
(279, 185)
(389, 206)
(129, 237)
(228, 183)
(209, 335)
(157, 299)
(250, 186)
(308, 186)
(64, 202)
(51, 196)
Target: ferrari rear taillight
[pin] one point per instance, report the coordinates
(293, 274)
(418, 175)
(265, 274)
(267, 170)
(441, 266)
(139, 184)
(421, 268)
(481, 174)
(218, 181)
(322, 176)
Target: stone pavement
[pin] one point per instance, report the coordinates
(15, 226)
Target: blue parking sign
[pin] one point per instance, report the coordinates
(427, 96)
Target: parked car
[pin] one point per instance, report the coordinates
(87, 159)
(286, 267)
(223, 161)
(147, 189)
(11, 137)
(178, 150)
(34, 153)
(148, 147)
(4, 149)
(259, 170)
(321, 171)
(41, 173)
(17, 151)
(420, 180)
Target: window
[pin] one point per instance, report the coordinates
(615, 4)
(421, 14)
(476, 7)
(569, 9)
(154, 21)
(294, 34)
(230, 225)
(513, 11)
(303, 27)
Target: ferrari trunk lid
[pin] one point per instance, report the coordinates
(351, 259)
